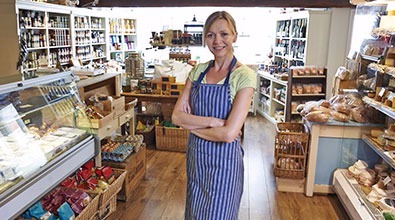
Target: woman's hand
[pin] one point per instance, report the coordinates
(216, 122)
(186, 107)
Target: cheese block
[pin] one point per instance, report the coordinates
(375, 132)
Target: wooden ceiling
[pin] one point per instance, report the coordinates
(227, 3)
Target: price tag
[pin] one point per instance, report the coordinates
(382, 91)
(387, 180)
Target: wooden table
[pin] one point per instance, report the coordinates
(151, 97)
(167, 101)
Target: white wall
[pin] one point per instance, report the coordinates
(257, 23)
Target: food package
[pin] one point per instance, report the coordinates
(65, 212)
(317, 116)
(342, 73)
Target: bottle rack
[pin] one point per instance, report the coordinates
(89, 41)
(55, 35)
(123, 38)
(46, 36)
(300, 38)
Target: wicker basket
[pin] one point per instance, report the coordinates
(291, 147)
(90, 212)
(108, 198)
(172, 139)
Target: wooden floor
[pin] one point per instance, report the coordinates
(161, 195)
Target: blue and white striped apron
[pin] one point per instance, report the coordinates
(215, 170)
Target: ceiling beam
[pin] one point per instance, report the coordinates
(226, 3)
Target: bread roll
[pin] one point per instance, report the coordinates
(338, 116)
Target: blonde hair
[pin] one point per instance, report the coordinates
(219, 15)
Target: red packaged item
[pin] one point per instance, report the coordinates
(92, 183)
(83, 174)
(99, 172)
(83, 186)
(108, 174)
(88, 165)
(77, 207)
(69, 182)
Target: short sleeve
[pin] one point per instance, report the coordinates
(196, 71)
(245, 77)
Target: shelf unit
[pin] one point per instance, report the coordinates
(46, 31)
(301, 38)
(88, 37)
(122, 37)
(271, 97)
(299, 92)
(60, 33)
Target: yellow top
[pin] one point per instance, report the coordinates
(241, 77)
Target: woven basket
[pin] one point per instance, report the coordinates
(291, 147)
(90, 212)
(108, 198)
(172, 139)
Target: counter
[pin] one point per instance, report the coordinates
(335, 145)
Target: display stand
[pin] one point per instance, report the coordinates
(58, 96)
(343, 142)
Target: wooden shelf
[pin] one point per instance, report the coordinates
(274, 83)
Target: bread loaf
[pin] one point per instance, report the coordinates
(359, 114)
(338, 116)
(317, 116)
(342, 108)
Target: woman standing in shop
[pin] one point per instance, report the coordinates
(214, 106)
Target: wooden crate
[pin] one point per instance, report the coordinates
(85, 122)
(340, 85)
(135, 166)
(290, 185)
(290, 152)
(117, 105)
(172, 139)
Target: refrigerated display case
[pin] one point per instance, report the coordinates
(372, 37)
(40, 144)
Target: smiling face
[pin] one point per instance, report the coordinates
(220, 33)
(220, 38)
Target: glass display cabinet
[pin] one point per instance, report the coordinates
(372, 43)
(40, 144)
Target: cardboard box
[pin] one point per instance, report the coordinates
(339, 85)
(117, 105)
